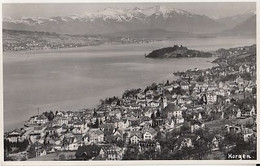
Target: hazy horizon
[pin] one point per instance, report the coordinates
(210, 9)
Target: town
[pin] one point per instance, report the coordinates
(204, 114)
(28, 40)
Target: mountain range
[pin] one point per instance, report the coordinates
(136, 20)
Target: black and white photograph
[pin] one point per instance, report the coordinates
(135, 81)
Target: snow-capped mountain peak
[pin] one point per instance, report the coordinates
(110, 20)
(128, 14)
(165, 10)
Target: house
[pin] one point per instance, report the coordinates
(149, 111)
(57, 141)
(135, 137)
(146, 120)
(186, 142)
(169, 123)
(113, 137)
(118, 135)
(39, 129)
(116, 113)
(179, 120)
(107, 127)
(76, 130)
(41, 152)
(63, 120)
(185, 86)
(247, 133)
(172, 110)
(212, 87)
(153, 104)
(211, 98)
(95, 136)
(34, 137)
(135, 125)
(38, 120)
(134, 106)
(149, 134)
(216, 142)
(149, 92)
(169, 87)
(79, 124)
(149, 98)
(201, 86)
(252, 111)
(36, 149)
(42, 119)
(233, 129)
(145, 145)
(57, 129)
(196, 125)
(239, 113)
(14, 136)
(74, 146)
(142, 104)
(249, 89)
(123, 124)
(109, 152)
(141, 96)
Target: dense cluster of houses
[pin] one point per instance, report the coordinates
(141, 115)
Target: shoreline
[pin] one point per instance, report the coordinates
(107, 96)
(198, 101)
(123, 44)
(120, 94)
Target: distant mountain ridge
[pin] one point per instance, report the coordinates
(112, 20)
(232, 21)
(248, 27)
(117, 21)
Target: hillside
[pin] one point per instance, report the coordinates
(150, 34)
(236, 56)
(232, 21)
(33, 40)
(177, 52)
(14, 40)
(248, 27)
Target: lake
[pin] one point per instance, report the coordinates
(71, 79)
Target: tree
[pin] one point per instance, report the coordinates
(254, 90)
(201, 148)
(185, 127)
(62, 157)
(158, 114)
(7, 145)
(152, 116)
(160, 137)
(131, 153)
(96, 125)
(50, 115)
(200, 79)
(95, 113)
(165, 154)
(167, 83)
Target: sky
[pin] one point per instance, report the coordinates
(211, 9)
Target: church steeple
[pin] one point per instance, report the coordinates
(164, 102)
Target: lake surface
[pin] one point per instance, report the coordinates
(71, 79)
